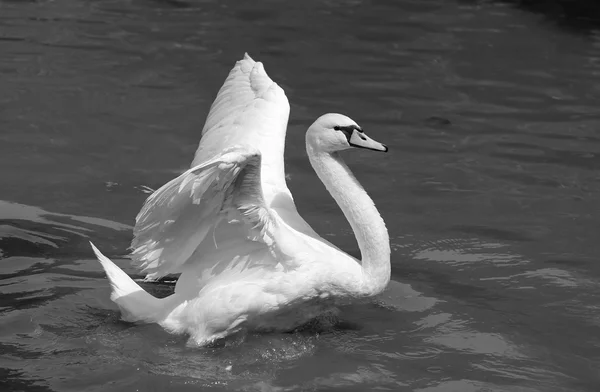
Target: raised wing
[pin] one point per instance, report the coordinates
(180, 215)
(252, 110)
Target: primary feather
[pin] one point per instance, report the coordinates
(178, 217)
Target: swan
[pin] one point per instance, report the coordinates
(229, 226)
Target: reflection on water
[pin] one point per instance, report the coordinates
(489, 191)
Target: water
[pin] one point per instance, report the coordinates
(490, 190)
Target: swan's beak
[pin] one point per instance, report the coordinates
(360, 139)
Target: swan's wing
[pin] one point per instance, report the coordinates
(180, 215)
(252, 110)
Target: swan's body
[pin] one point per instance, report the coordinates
(230, 228)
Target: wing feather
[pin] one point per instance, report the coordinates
(252, 110)
(177, 218)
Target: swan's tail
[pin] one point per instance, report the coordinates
(135, 303)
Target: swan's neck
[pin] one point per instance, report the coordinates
(368, 226)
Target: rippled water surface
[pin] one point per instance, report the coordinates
(491, 189)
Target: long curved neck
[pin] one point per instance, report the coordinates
(359, 209)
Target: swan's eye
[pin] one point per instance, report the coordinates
(348, 128)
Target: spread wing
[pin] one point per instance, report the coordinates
(186, 211)
(203, 204)
(252, 110)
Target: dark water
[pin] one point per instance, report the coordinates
(490, 191)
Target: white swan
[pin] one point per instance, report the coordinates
(229, 226)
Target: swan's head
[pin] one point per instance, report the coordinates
(336, 132)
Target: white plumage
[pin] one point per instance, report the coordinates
(230, 228)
